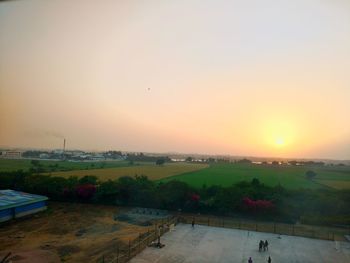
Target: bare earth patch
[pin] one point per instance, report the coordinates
(67, 232)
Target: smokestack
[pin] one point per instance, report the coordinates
(64, 145)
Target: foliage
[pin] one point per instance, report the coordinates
(257, 205)
(86, 191)
(189, 159)
(160, 161)
(51, 166)
(145, 158)
(250, 199)
(310, 174)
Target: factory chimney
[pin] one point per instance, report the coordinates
(64, 145)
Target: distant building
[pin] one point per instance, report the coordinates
(98, 157)
(178, 159)
(12, 154)
(14, 204)
(57, 151)
(44, 156)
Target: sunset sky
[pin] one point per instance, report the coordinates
(247, 77)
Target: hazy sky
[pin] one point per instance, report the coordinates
(248, 77)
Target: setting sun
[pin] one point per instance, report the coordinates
(279, 142)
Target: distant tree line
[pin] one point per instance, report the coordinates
(132, 157)
(244, 199)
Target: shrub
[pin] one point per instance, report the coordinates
(86, 191)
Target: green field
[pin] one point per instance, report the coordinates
(292, 177)
(197, 175)
(7, 165)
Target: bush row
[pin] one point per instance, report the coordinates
(245, 199)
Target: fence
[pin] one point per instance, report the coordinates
(326, 233)
(125, 253)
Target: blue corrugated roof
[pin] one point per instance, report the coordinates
(12, 198)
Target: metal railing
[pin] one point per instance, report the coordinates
(135, 246)
(318, 232)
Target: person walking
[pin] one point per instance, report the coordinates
(193, 222)
(266, 245)
(158, 237)
(269, 260)
(261, 244)
(250, 260)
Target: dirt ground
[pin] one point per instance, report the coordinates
(67, 232)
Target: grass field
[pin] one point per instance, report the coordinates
(337, 184)
(7, 165)
(152, 171)
(292, 177)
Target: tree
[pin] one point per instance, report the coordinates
(173, 194)
(107, 192)
(86, 191)
(244, 160)
(160, 162)
(255, 182)
(88, 179)
(189, 159)
(310, 174)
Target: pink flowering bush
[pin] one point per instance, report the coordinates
(257, 205)
(195, 198)
(86, 191)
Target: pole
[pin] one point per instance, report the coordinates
(139, 242)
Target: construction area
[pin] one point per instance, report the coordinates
(205, 244)
(72, 232)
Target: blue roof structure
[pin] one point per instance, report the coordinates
(11, 198)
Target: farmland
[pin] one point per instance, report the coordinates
(292, 177)
(196, 174)
(152, 171)
(8, 165)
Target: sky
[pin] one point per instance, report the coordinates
(247, 77)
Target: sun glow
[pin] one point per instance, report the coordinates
(279, 142)
(279, 135)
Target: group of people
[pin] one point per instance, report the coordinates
(263, 245)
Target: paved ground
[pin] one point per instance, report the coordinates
(212, 244)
